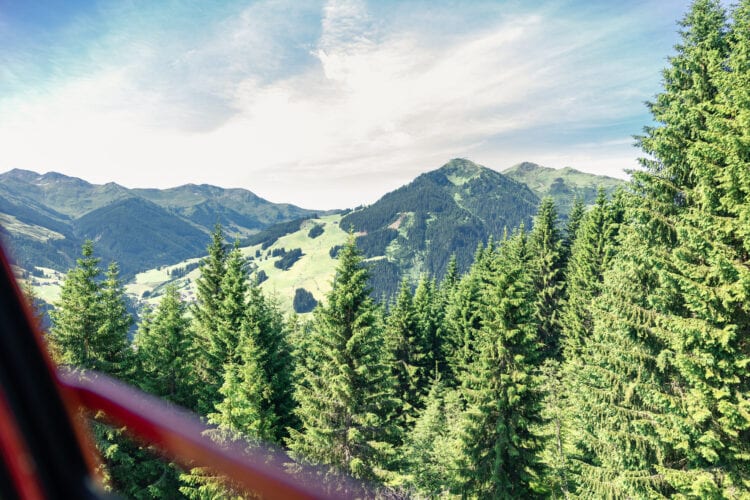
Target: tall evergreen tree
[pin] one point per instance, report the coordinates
(223, 343)
(430, 449)
(407, 355)
(206, 314)
(244, 413)
(90, 327)
(117, 358)
(264, 326)
(575, 218)
(591, 253)
(501, 387)
(651, 424)
(592, 250)
(547, 259)
(429, 313)
(345, 389)
(465, 313)
(76, 319)
(164, 351)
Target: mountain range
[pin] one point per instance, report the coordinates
(157, 235)
(45, 219)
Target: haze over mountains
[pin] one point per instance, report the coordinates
(412, 230)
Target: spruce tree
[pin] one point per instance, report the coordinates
(501, 386)
(345, 388)
(164, 352)
(575, 218)
(429, 450)
(117, 358)
(707, 267)
(547, 261)
(592, 250)
(465, 313)
(264, 326)
(206, 314)
(591, 253)
(407, 355)
(429, 312)
(76, 319)
(244, 414)
(222, 347)
(649, 422)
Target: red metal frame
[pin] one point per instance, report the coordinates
(16, 455)
(177, 433)
(180, 435)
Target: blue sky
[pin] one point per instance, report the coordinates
(324, 103)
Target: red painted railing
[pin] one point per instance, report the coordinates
(46, 454)
(179, 434)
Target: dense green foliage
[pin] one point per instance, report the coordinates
(607, 358)
(304, 302)
(288, 258)
(315, 231)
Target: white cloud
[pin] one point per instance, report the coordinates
(374, 108)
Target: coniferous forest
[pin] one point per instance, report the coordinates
(606, 357)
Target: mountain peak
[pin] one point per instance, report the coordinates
(19, 174)
(460, 170)
(527, 166)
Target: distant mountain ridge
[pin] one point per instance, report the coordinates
(139, 228)
(563, 185)
(410, 231)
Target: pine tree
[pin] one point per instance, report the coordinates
(547, 262)
(222, 347)
(345, 389)
(593, 249)
(451, 277)
(76, 319)
(574, 221)
(206, 314)
(90, 331)
(407, 355)
(117, 355)
(245, 413)
(164, 352)
(429, 312)
(264, 325)
(464, 315)
(501, 387)
(707, 268)
(649, 424)
(429, 450)
(591, 253)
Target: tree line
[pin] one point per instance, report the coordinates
(605, 359)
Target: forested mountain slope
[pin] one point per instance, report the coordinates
(449, 211)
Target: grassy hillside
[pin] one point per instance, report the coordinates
(313, 271)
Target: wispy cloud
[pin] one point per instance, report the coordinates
(331, 105)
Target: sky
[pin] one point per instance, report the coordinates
(325, 104)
